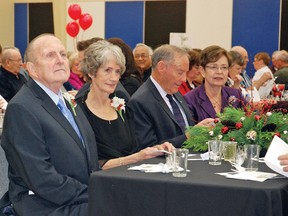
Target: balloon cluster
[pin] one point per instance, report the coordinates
(85, 20)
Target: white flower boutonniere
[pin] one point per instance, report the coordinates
(119, 105)
(71, 99)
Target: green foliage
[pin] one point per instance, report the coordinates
(197, 139)
(256, 129)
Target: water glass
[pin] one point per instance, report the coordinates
(179, 158)
(215, 152)
(229, 150)
(251, 157)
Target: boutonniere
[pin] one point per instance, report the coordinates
(119, 105)
(71, 99)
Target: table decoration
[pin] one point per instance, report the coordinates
(244, 126)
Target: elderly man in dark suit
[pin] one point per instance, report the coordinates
(160, 112)
(51, 150)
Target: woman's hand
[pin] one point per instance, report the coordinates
(208, 122)
(151, 152)
(284, 161)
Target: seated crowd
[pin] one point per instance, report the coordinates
(131, 105)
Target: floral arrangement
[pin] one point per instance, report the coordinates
(71, 99)
(245, 126)
(119, 105)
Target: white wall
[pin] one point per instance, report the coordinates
(209, 22)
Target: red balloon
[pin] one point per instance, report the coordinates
(74, 11)
(72, 28)
(85, 21)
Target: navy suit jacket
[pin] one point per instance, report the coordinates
(154, 122)
(49, 167)
(202, 108)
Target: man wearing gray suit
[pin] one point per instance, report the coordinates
(160, 112)
(51, 150)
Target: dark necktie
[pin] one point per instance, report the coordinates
(66, 112)
(177, 113)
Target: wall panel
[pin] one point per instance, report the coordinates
(21, 28)
(161, 18)
(124, 20)
(40, 19)
(284, 26)
(256, 27)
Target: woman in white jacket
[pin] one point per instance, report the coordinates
(263, 78)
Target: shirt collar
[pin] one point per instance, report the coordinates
(162, 92)
(51, 94)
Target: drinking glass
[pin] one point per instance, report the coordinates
(215, 152)
(229, 150)
(251, 157)
(179, 158)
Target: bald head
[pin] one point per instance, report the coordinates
(243, 53)
(47, 61)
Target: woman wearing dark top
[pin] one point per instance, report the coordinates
(104, 63)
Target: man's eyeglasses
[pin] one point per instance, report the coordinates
(216, 68)
(16, 60)
(141, 56)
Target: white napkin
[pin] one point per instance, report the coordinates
(152, 168)
(253, 176)
(205, 156)
(277, 147)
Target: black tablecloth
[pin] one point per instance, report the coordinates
(202, 193)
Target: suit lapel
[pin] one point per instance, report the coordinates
(205, 102)
(159, 98)
(225, 97)
(164, 106)
(184, 106)
(48, 104)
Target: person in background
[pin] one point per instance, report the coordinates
(213, 96)
(3, 102)
(194, 77)
(104, 63)
(263, 78)
(142, 55)
(120, 91)
(130, 79)
(160, 111)
(246, 83)
(10, 79)
(76, 76)
(234, 73)
(281, 63)
(51, 151)
(272, 65)
(84, 44)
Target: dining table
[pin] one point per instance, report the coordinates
(122, 192)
